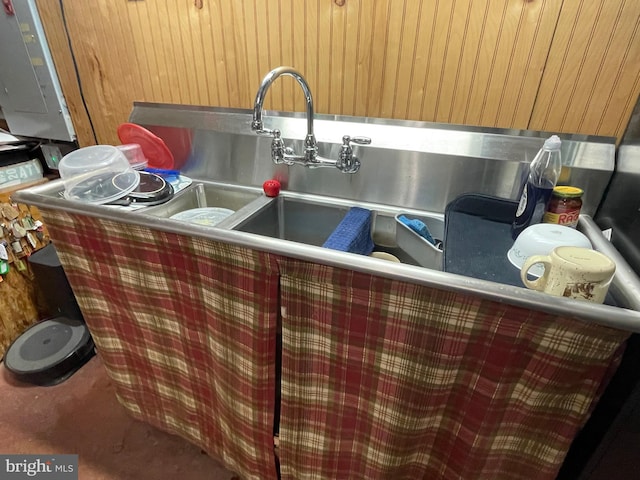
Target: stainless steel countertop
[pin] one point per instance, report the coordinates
(625, 287)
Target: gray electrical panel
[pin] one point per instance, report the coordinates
(30, 95)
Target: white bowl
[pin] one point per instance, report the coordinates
(541, 239)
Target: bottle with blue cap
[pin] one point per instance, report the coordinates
(536, 190)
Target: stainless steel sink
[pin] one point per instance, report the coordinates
(412, 168)
(295, 224)
(206, 194)
(297, 220)
(311, 220)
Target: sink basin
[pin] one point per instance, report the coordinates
(300, 218)
(311, 220)
(294, 219)
(206, 194)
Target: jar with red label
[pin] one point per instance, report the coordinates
(564, 206)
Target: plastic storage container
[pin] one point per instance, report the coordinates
(134, 154)
(97, 174)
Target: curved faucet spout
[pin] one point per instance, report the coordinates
(280, 153)
(257, 124)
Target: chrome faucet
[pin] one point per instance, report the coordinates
(346, 162)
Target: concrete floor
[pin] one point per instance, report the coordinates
(82, 416)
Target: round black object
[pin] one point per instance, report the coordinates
(152, 190)
(50, 351)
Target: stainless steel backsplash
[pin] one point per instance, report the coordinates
(409, 164)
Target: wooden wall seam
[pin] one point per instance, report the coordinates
(62, 55)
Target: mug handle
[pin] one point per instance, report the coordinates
(529, 262)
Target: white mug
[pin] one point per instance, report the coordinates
(572, 272)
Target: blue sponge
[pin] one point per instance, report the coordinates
(419, 227)
(353, 234)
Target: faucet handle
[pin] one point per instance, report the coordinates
(347, 162)
(359, 140)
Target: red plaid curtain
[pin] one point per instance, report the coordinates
(380, 378)
(186, 328)
(383, 379)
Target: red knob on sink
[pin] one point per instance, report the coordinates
(271, 188)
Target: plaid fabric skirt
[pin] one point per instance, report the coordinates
(379, 379)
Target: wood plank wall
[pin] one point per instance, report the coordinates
(557, 65)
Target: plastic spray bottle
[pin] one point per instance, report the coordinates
(544, 172)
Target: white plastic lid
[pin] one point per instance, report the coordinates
(552, 143)
(207, 216)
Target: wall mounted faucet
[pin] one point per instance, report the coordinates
(346, 162)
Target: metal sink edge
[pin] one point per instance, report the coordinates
(626, 284)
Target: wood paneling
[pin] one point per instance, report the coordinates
(565, 66)
(592, 78)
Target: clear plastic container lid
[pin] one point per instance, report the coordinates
(97, 174)
(207, 216)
